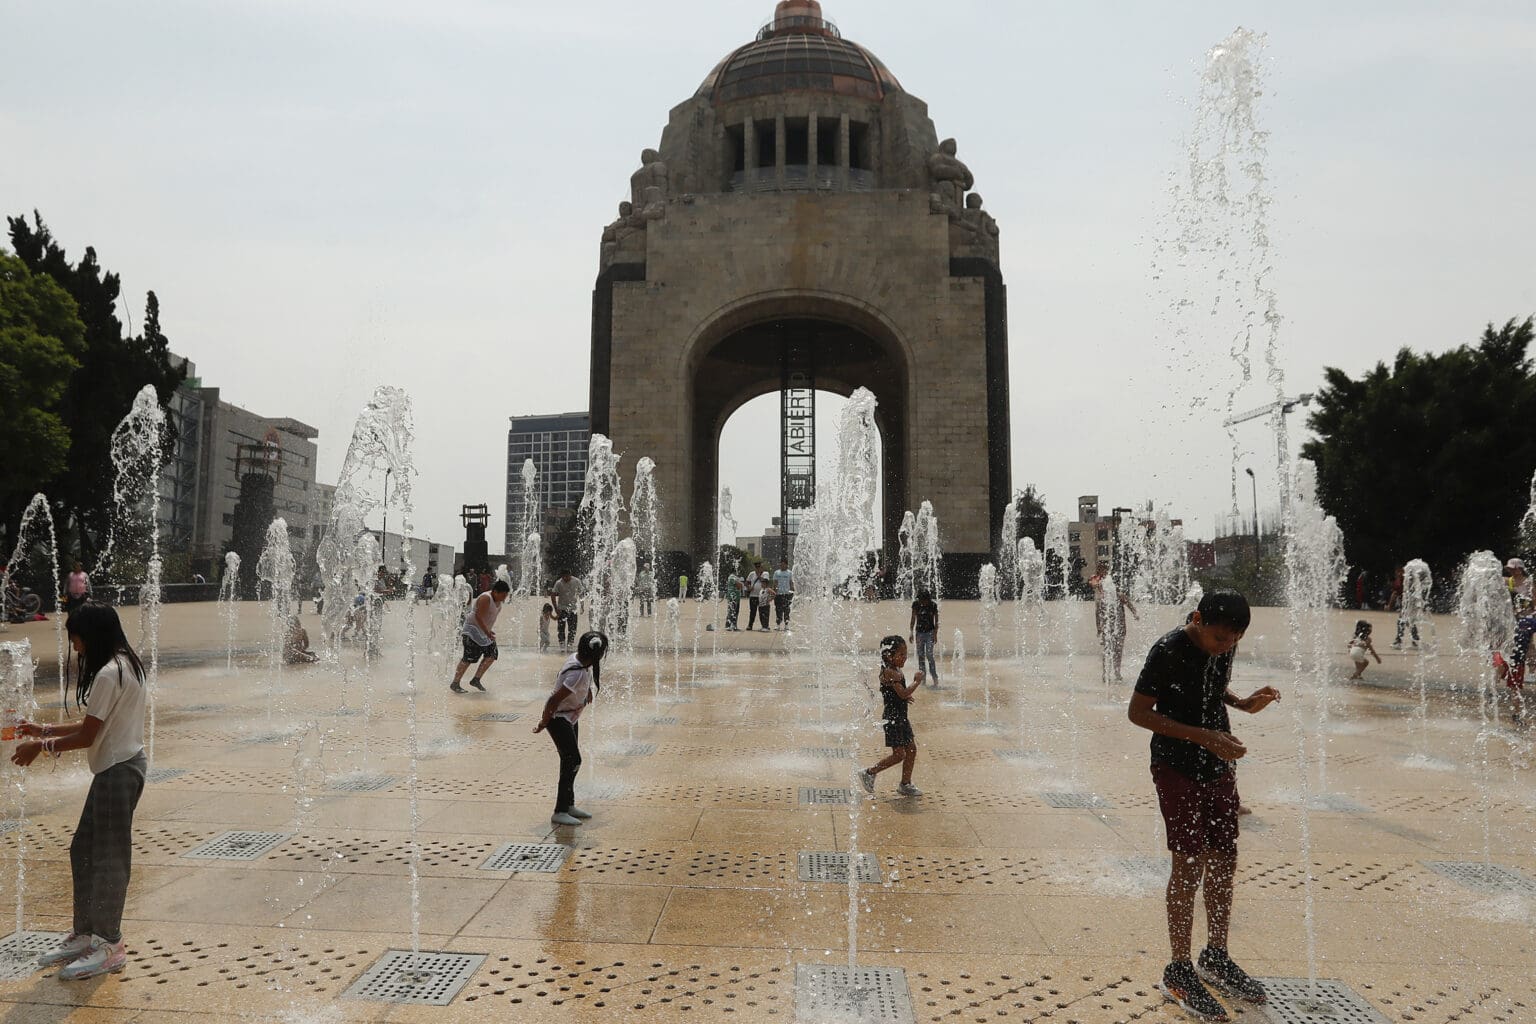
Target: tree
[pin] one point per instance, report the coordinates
(41, 340)
(1032, 516)
(1430, 458)
(101, 391)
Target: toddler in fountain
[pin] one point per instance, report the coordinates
(896, 695)
(546, 617)
(1361, 650)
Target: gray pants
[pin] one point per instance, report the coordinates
(101, 854)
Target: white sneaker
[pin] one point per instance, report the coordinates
(907, 789)
(101, 957)
(867, 780)
(564, 819)
(577, 812)
(73, 947)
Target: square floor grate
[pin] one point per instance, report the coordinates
(633, 750)
(429, 978)
(830, 753)
(345, 713)
(270, 738)
(833, 867)
(1017, 754)
(238, 846)
(1081, 801)
(825, 795)
(499, 716)
(662, 720)
(852, 995)
(1298, 1001)
(164, 774)
(604, 791)
(545, 857)
(1480, 877)
(1336, 802)
(368, 782)
(12, 825)
(19, 952)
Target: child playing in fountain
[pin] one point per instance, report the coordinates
(1182, 697)
(296, 645)
(1361, 650)
(579, 679)
(546, 618)
(110, 685)
(480, 635)
(896, 695)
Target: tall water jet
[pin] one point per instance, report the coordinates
(275, 568)
(1031, 600)
(603, 503)
(1007, 551)
(727, 535)
(1488, 625)
(644, 527)
(37, 515)
(927, 555)
(531, 526)
(17, 675)
(137, 442)
(1315, 572)
(229, 606)
(1413, 618)
(624, 570)
(905, 537)
(987, 587)
(1057, 547)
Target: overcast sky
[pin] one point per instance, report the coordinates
(330, 194)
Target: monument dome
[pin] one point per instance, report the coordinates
(799, 51)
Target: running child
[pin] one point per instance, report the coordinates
(546, 619)
(110, 686)
(480, 635)
(580, 678)
(896, 695)
(1361, 650)
(1182, 697)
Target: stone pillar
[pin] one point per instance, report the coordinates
(780, 146)
(810, 141)
(749, 132)
(843, 154)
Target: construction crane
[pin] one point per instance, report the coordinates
(1282, 406)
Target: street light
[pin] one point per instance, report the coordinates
(1255, 482)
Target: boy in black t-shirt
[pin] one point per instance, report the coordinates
(1182, 697)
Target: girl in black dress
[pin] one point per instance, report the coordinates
(896, 695)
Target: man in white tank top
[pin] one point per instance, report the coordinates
(480, 635)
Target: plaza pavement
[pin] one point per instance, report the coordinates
(681, 899)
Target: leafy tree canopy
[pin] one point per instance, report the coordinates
(41, 340)
(1431, 457)
(112, 369)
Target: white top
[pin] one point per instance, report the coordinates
(569, 594)
(117, 699)
(576, 678)
(487, 608)
(784, 581)
(755, 581)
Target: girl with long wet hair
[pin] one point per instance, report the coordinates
(580, 678)
(110, 687)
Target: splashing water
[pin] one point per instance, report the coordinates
(1031, 599)
(528, 579)
(1413, 618)
(1057, 548)
(275, 568)
(136, 445)
(229, 607)
(987, 587)
(37, 513)
(644, 510)
(927, 555)
(604, 503)
(17, 675)
(1488, 625)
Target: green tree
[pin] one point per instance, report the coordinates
(101, 391)
(1431, 457)
(41, 340)
(1032, 516)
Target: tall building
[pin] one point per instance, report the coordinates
(179, 480)
(557, 444)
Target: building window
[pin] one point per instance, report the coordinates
(767, 144)
(736, 138)
(797, 141)
(859, 156)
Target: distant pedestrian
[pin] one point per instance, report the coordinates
(645, 591)
(784, 593)
(77, 588)
(480, 635)
(1361, 650)
(733, 587)
(579, 680)
(766, 598)
(1403, 623)
(754, 594)
(1519, 584)
(1109, 620)
(924, 628)
(895, 695)
(566, 597)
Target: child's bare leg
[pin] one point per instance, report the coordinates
(485, 666)
(459, 673)
(1220, 867)
(908, 759)
(1183, 881)
(891, 761)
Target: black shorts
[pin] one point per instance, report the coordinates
(899, 734)
(473, 652)
(1198, 816)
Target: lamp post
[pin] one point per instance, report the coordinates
(1255, 482)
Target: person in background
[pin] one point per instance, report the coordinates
(565, 595)
(1519, 584)
(784, 593)
(77, 588)
(924, 628)
(1361, 650)
(733, 586)
(296, 645)
(480, 635)
(645, 591)
(755, 594)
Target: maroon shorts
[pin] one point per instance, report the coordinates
(1198, 816)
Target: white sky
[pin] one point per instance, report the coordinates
(330, 194)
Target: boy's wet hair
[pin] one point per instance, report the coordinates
(548, 607)
(502, 587)
(890, 645)
(1362, 628)
(925, 595)
(1225, 608)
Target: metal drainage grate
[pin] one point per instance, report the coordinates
(1017, 754)
(634, 750)
(1480, 877)
(1337, 803)
(372, 782)
(830, 753)
(1078, 801)
(206, 707)
(12, 825)
(662, 720)
(269, 737)
(855, 995)
(238, 846)
(604, 790)
(499, 716)
(825, 795)
(345, 713)
(19, 952)
(833, 867)
(164, 774)
(545, 857)
(429, 978)
(1298, 1001)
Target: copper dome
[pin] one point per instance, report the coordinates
(799, 51)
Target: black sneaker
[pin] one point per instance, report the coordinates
(456, 688)
(1216, 967)
(476, 684)
(1182, 986)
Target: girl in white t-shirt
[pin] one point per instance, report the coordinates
(110, 686)
(580, 678)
